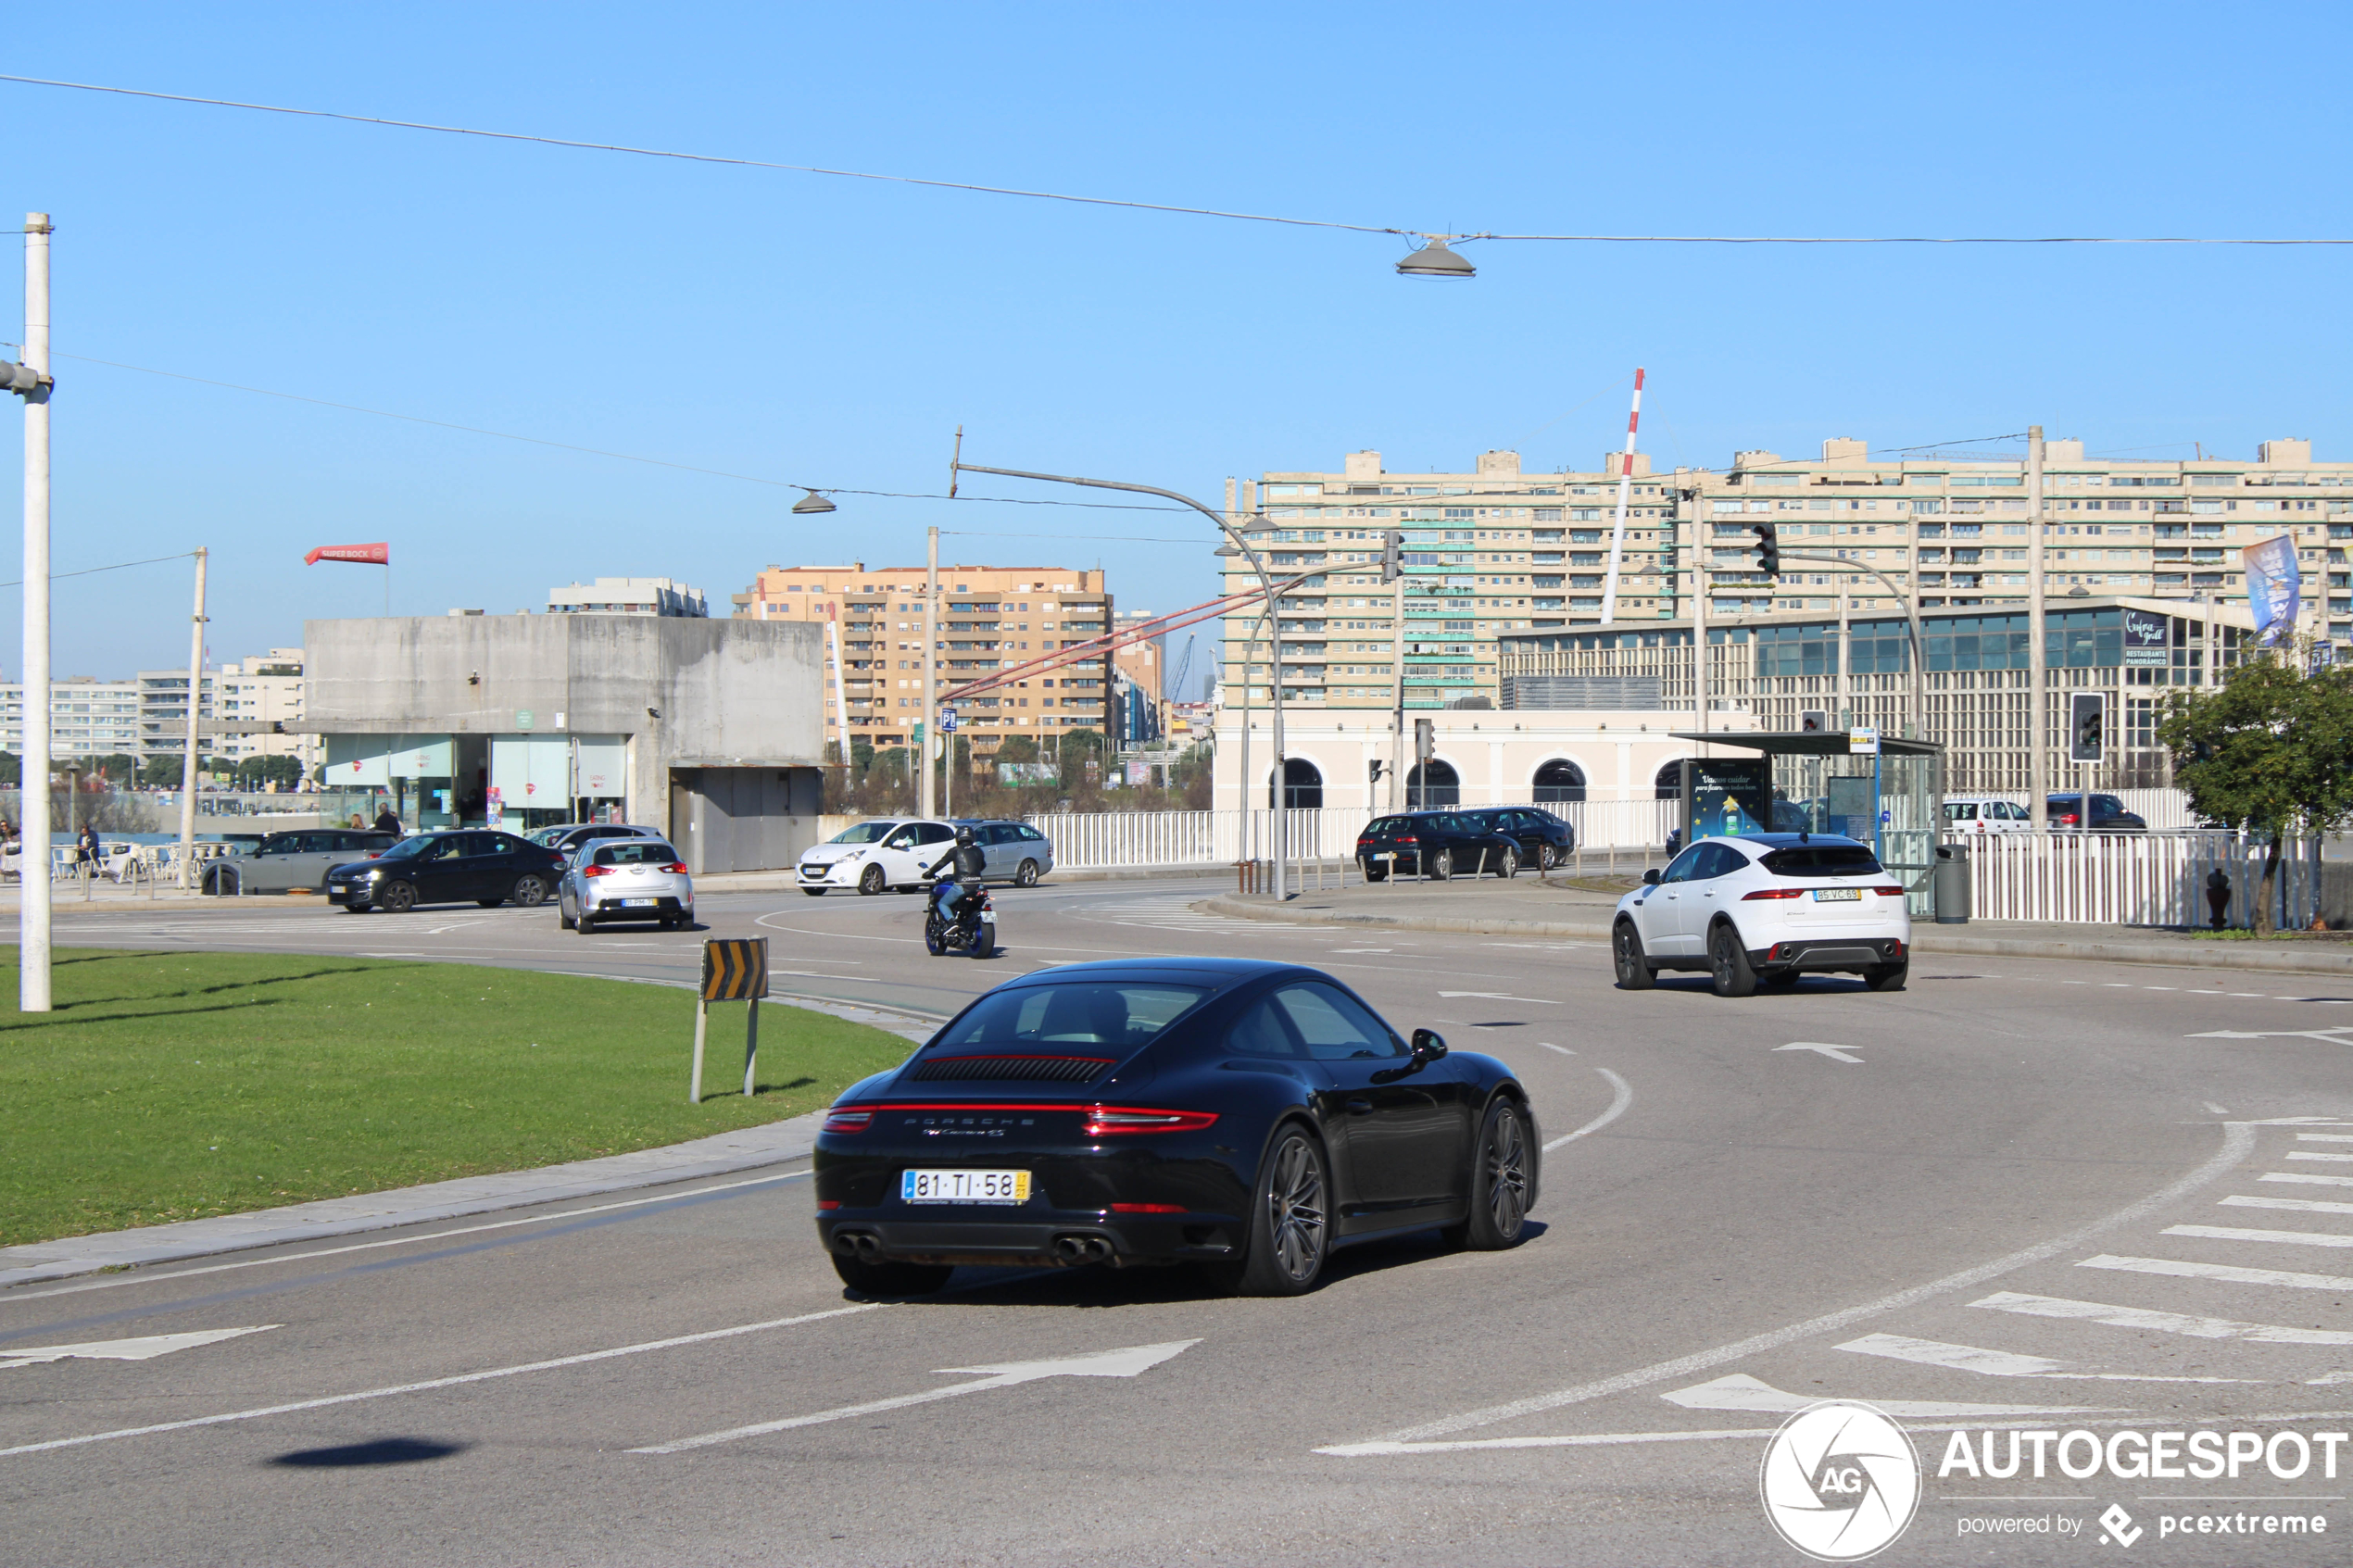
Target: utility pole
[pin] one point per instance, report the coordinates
(188, 765)
(2038, 803)
(32, 877)
(1845, 661)
(930, 724)
(1393, 567)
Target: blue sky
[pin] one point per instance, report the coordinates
(835, 332)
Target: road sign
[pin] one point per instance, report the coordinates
(735, 969)
(1863, 741)
(946, 721)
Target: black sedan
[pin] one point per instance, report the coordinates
(1544, 840)
(2109, 814)
(1435, 844)
(449, 868)
(1239, 1116)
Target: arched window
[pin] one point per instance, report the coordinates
(1302, 786)
(1671, 782)
(1443, 786)
(1559, 784)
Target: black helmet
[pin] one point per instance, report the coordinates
(963, 835)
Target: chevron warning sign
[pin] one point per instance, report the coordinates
(735, 969)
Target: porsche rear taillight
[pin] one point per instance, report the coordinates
(841, 1121)
(1109, 1120)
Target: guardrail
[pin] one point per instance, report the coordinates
(1606, 831)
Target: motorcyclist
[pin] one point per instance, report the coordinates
(963, 876)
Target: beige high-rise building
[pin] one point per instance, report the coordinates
(1498, 552)
(990, 617)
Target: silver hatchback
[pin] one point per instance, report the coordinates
(625, 879)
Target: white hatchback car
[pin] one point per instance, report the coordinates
(886, 852)
(1987, 813)
(1763, 908)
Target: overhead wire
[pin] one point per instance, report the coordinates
(582, 144)
(118, 566)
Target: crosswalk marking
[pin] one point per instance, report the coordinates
(1176, 914)
(2307, 1180)
(1739, 1391)
(2228, 1273)
(2292, 1238)
(2147, 1320)
(2302, 1205)
(2324, 1138)
(2319, 1154)
(1995, 1363)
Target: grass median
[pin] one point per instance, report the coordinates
(175, 1086)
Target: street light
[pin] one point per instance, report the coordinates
(812, 504)
(1236, 544)
(1434, 260)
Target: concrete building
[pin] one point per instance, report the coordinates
(628, 595)
(710, 729)
(989, 617)
(163, 713)
(87, 718)
(1495, 551)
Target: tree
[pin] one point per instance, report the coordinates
(1017, 748)
(2270, 753)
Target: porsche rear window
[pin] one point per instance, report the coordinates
(1822, 860)
(1125, 1014)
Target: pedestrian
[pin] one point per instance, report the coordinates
(386, 822)
(90, 851)
(2217, 896)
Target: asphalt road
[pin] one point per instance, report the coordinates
(2049, 1195)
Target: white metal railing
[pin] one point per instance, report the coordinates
(1115, 840)
(2132, 879)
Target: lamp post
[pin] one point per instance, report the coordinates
(1266, 589)
(30, 381)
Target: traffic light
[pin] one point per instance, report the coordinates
(1392, 555)
(1425, 740)
(1768, 549)
(2086, 726)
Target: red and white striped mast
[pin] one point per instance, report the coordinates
(1624, 487)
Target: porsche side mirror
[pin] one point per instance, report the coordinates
(1650, 877)
(1429, 1045)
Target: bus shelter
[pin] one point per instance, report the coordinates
(1882, 790)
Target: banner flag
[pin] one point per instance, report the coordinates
(2272, 587)
(366, 555)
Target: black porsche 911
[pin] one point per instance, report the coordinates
(1243, 1117)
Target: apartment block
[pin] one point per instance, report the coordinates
(1495, 552)
(990, 617)
(1486, 552)
(87, 718)
(265, 689)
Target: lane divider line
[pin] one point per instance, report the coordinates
(1622, 1097)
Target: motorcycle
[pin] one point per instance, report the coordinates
(973, 931)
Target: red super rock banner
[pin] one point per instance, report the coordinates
(366, 555)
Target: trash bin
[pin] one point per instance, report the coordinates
(1952, 885)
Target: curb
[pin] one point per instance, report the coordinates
(1978, 947)
(775, 1143)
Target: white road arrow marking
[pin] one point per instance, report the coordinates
(142, 1349)
(1836, 1053)
(1499, 996)
(1742, 1392)
(1132, 1361)
(2329, 1036)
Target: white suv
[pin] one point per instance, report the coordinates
(1762, 909)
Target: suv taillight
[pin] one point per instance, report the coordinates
(1774, 892)
(1889, 892)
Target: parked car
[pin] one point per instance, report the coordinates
(886, 852)
(1016, 852)
(1762, 910)
(2109, 815)
(1284, 1119)
(1987, 813)
(1435, 844)
(569, 836)
(1544, 840)
(448, 867)
(612, 879)
(284, 862)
